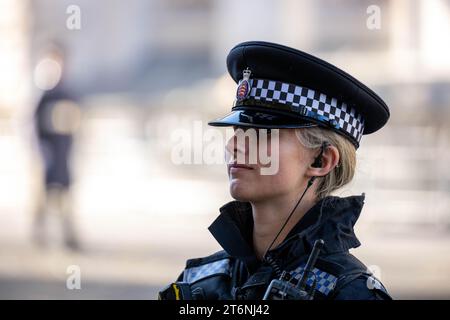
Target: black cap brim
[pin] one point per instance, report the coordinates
(259, 119)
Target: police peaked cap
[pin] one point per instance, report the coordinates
(281, 87)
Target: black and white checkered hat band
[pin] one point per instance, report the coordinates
(309, 103)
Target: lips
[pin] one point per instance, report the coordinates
(235, 167)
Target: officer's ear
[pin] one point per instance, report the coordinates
(324, 162)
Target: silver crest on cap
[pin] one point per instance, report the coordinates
(244, 87)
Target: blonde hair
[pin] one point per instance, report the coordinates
(344, 171)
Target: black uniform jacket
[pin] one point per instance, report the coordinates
(236, 273)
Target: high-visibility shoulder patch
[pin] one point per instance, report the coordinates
(325, 282)
(197, 273)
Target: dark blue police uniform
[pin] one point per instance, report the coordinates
(281, 87)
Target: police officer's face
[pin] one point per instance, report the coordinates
(265, 164)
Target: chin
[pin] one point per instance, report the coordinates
(245, 192)
(241, 191)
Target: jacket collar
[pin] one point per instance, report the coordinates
(331, 219)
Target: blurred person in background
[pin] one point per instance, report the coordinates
(56, 119)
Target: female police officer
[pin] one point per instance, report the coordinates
(270, 230)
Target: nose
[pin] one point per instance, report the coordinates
(232, 147)
(237, 144)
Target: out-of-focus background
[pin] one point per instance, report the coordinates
(91, 93)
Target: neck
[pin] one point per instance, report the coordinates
(270, 215)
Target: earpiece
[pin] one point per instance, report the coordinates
(318, 160)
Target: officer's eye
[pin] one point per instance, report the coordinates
(240, 128)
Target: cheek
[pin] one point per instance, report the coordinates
(288, 175)
(256, 187)
(292, 167)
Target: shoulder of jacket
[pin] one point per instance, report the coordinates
(195, 262)
(328, 271)
(361, 287)
(332, 271)
(219, 263)
(343, 262)
(354, 280)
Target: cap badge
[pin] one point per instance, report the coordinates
(244, 86)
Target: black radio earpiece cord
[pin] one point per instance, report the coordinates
(317, 163)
